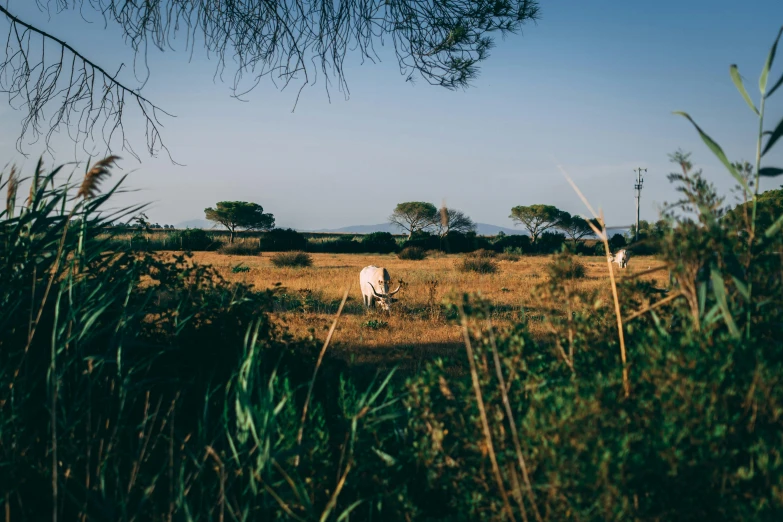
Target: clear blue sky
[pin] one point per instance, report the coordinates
(591, 86)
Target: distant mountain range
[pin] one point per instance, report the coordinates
(482, 229)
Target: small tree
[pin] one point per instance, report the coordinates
(413, 216)
(240, 215)
(537, 219)
(575, 227)
(453, 220)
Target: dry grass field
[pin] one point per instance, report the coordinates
(415, 330)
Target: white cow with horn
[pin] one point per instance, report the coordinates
(374, 282)
(621, 258)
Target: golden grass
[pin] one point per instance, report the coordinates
(412, 335)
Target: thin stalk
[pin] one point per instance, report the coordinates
(483, 413)
(753, 215)
(333, 500)
(618, 314)
(53, 405)
(647, 308)
(221, 470)
(604, 239)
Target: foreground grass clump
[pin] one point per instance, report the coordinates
(292, 259)
(112, 397)
(412, 253)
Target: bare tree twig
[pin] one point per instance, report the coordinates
(34, 82)
(286, 40)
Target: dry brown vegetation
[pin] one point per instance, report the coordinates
(416, 330)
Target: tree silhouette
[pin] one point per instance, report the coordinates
(413, 216)
(240, 215)
(576, 227)
(453, 220)
(537, 219)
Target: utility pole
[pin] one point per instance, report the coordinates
(638, 187)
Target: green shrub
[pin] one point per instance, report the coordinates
(458, 242)
(599, 249)
(379, 243)
(292, 259)
(341, 245)
(423, 240)
(282, 240)
(412, 253)
(240, 269)
(520, 244)
(550, 242)
(565, 266)
(191, 239)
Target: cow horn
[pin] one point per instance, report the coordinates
(373, 290)
(398, 289)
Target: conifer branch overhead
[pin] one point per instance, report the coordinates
(289, 41)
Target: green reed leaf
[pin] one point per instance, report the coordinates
(719, 290)
(768, 64)
(717, 150)
(737, 79)
(774, 136)
(742, 288)
(775, 228)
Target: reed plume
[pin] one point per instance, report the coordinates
(94, 177)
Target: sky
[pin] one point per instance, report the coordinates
(591, 87)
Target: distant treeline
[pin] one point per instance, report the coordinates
(282, 240)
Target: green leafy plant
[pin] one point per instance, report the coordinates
(375, 324)
(750, 189)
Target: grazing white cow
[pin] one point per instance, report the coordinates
(374, 282)
(621, 258)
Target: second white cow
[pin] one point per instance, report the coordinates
(621, 258)
(374, 282)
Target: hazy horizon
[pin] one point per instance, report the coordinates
(591, 87)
